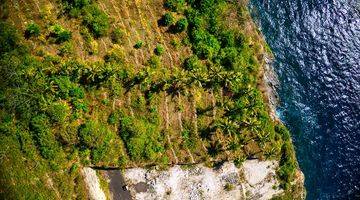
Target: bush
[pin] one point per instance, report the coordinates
(58, 112)
(167, 19)
(32, 29)
(282, 130)
(117, 36)
(141, 138)
(154, 62)
(159, 50)
(8, 38)
(228, 57)
(205, 44)
(96, 20)
(181, 25)
(192, 63)
(66, 49)
(138, 44)
(287, 165)
(93, 134)
(175, 5)
(229, 187)
(46, 142)
(227, 39)
(59, 33)
(116, 55)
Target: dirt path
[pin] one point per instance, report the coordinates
(116, 186)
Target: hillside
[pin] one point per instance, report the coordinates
(122, 84)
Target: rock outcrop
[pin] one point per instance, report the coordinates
(93, 184)
(254, 180)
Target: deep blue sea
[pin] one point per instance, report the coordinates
(316, 44)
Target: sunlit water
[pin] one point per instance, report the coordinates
(317, 50)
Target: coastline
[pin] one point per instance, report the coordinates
(271, 82)
(268, 83)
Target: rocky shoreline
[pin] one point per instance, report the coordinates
(271, 83)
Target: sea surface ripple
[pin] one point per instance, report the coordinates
(317, 58)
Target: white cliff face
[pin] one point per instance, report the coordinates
(93, 184)
(255, 180)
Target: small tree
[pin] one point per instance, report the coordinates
(96, 20)
(159, 50)
(117, 36)
(181, 25)
(174, 5)
(32, 29)
(138, 44)
(60, 34)
(167, 19)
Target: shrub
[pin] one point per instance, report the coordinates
(64, 85)
(96, 20)
(74, 7)
(287, 165)
(192, 63)
(154, 62)
(227, 39)
(175, 43)
(167, 19)
(117, 36)
(116, 55)
(59, 33)
(229, 187)
(206, 45)
(77, 93)
(93, 134)
(32, 29)
(159, 50)
(228, 57)
(174, 5)
(181, 25)
(66, 49)
(282, 130)
(58, 112)
(46, 142)
(141, 138)
(138, 44)
(8, 38)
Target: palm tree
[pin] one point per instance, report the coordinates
(228, 127)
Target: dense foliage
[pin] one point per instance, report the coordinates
(58, 113)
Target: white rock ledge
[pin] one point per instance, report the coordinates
(255, 180)
(93, 184)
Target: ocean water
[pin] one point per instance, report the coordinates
(317, 58)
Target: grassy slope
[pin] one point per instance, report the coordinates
(133, 123)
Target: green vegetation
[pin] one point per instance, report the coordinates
(59, 33)
(117, 36)
(96, 20)
(159, 50)
(138, 44)
(175, 5)
(181, 25)
(72, 95)
(168, 19)
(32, 29)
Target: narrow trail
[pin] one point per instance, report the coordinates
(182, 129)
(167, 127)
